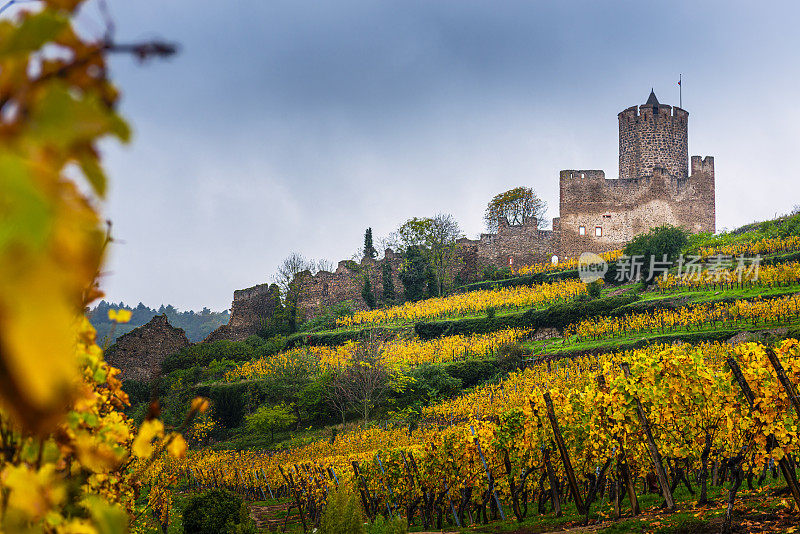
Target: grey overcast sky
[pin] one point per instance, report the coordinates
(293, 125)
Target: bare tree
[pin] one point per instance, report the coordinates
(365, 382)
(293, 265)
(325, 265)
(517, 206)
(337, 396)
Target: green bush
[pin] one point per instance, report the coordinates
(556, 316)
(367, 294)
(430, 383)
(526, 280)
(663, 242)
(491, 311)
(227, 400)
(201, 354)
(138, 391)
(343, 514)
(471, 372)
(215, 512)
(509, 356)
(327, 319)
(595, 289)
(331, 339)
(381, 525)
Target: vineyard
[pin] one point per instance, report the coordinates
(527, 404)
(579, 431)
(584, 439)
(402, 353)
(469, 303)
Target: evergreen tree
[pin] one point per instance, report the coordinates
(369, 249)
(367, 294)
(415, 273)
(389, 295)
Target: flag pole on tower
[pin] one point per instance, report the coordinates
(680, 91)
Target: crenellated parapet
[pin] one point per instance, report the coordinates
(651, 136)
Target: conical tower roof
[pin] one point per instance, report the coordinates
(652, 100)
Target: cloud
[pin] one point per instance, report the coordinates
(291, 125)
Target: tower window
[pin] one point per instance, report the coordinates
(581, 230)
(598, 231)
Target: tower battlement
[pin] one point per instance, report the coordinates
(653, 135)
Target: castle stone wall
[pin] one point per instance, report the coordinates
(325, 289)
(653, 137)
(250, 309)
(140, 352)
(513, 245)
(624, 208)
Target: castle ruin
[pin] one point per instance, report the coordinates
(656, 186)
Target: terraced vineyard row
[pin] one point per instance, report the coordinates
(574, 425)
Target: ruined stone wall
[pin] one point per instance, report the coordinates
(654, 187)
(250, 309)
(325, 289)
(653, 137)
(140, 352)
(514, 245)
(612, 212)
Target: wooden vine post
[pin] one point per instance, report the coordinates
(488, 474)
(426, 498)
(655, 456)
(297, 499)
(623, 470)
(366, 498)
(269, 488)
(784, 380)
(562, 449)
(553, 481)
(549, 471)
(786, 467)
(390, 495)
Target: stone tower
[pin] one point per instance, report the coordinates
(653, 136)
(654, 185)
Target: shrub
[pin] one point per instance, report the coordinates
(517, 281)
(556, 316)
(201, 354)
(664, 241)
(491, 311)
(342, 513)
(389, 296)
(217, 511)
(471, 372)
(367, 294)
(228, 401)
(414, 274)
(138, 391)
(327, 319)
(595, 289)
(430, 383)
(509, 356)
(381, 525)
(267, 419)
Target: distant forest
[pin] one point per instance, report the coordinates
(197, 325)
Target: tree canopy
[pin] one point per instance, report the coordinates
(436, 237)
(517, 205)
